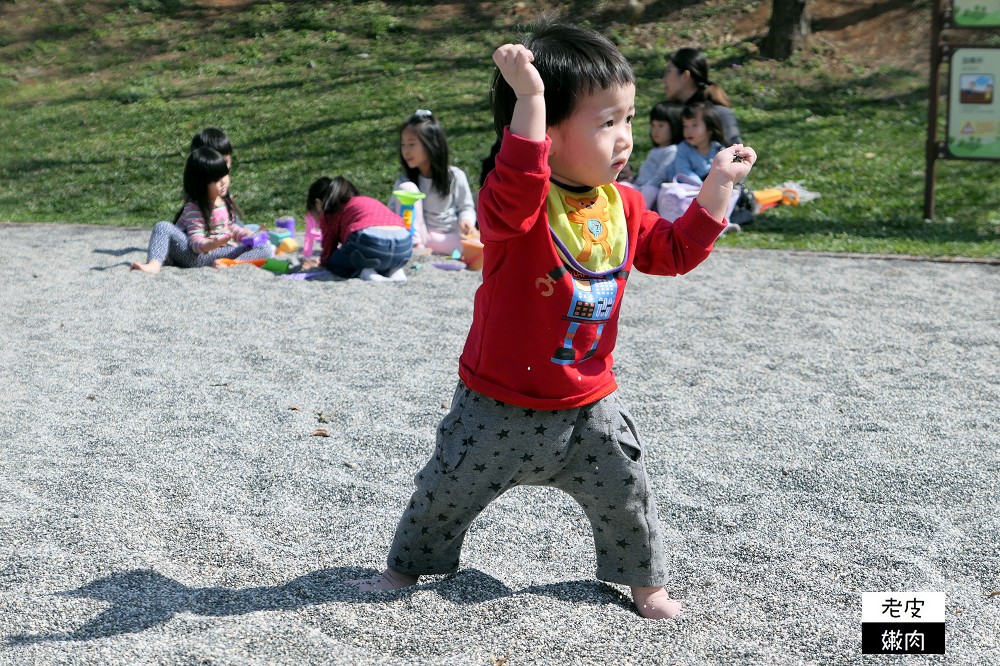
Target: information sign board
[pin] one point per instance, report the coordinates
(973, 112)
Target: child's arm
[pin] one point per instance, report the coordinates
(213, 244)
(201, 238)
(393, 203)
(240, 232)
(219, 234)
(730, 166)
(674, 248)
(513, 194)
(515, 64)
(465, 207)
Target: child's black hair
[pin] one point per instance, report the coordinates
(489, 162)
(710, 116)
(573, 62)
(332, 193)
(215, 138)
(432, 136)
(205, 166)
(669, 113)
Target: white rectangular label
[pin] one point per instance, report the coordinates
(902, 606)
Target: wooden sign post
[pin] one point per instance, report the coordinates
(973, 114)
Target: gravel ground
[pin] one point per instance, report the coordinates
(817, 428)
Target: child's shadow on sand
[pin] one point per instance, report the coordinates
(119, 252)
(141, 599)
(116, 253)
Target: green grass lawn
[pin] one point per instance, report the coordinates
(100, 101)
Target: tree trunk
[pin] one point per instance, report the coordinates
(788, 29)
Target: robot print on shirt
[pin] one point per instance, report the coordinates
(589, 310)
(593, 298)
(591, 306)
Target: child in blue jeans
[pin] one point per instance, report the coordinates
(537, 401)
(361, 236)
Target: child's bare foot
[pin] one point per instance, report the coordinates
(654, 603)
(310, 263)
(151, 268)
(387, 580)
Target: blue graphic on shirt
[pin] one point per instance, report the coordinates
(592, 303)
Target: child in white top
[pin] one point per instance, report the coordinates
(658, 168)
(703, 139)
(448, 212)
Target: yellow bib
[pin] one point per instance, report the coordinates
(591, 225)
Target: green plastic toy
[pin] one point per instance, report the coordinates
(408, 199)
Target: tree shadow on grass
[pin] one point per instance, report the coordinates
(142, 599)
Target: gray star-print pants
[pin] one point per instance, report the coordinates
(485, 447)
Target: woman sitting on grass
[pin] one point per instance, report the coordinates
(686, 80)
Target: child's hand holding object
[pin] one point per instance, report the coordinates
(729, 167)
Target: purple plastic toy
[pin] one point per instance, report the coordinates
(256, 240)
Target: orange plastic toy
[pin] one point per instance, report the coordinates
(273, 265)
(472, 254)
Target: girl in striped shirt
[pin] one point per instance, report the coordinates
(201, 232)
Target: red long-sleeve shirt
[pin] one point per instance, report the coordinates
(358, 213)
(543, 334)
